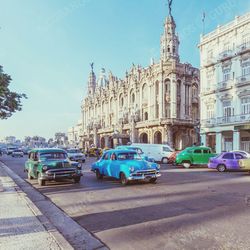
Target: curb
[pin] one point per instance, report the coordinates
(67, 233)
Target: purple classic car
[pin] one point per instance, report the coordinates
(226, 161)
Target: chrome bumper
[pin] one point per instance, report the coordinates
(61, 175)
(143, 177)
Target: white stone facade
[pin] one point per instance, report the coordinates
(74, 135)
(157, 104)
(225, 86)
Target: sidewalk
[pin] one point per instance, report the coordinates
(21, 224)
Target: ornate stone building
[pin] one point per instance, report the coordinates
(157, 104)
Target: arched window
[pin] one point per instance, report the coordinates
(167, 88)
(146, 116)
(195, 90)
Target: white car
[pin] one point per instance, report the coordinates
(75, 154)
(17, 153)
(242, 152)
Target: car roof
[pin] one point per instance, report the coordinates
(48, 150)
(198, 147)
(117, 151)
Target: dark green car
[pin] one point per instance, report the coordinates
(51, 164)
(194, 156)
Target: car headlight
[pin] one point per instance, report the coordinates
(45, 168)
(132, 169)
(79, 166)
(158, 166)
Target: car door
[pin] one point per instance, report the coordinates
(238, 157)
(114, 167)
(228, 160)
(197, 156)
(207, 154)
(104, 164)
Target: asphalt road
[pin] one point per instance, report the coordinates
(186, 209)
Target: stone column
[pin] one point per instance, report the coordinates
(161, 87)
(106, 138)
(95, 136)
(170, 136)
(218, 142)
(236, 140)
(203, 139)
(173, 98)
(132, 136)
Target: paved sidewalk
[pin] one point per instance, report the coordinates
(20, 220)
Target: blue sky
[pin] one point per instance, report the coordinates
(47, 45)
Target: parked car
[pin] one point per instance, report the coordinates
(17, 153)
(159, 152)
(10, 150)
(138, 150)
(51, 164)
(242, 152)
(95, 152)
(244, 164)
(226, 161)
(75, 154)
(194, 156)
(125, 165)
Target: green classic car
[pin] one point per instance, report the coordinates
(194, 156)
(51, 164)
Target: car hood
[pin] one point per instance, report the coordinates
(56, 163)
(140, 165)
(75, 154)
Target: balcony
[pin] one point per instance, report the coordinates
(226, 84)
(226, 120)
(243, 48)
(243, 80)
(209, 62)
(225, 55)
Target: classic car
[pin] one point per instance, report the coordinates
(226, 161)
(17, 153)
(194, 156)
(75, 154)
(244, 164)
(138, 150)
(126, 166)
(51, 164)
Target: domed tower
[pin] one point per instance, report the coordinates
(91, 81)
(169, 40)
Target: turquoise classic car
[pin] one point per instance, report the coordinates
(125, 165)
(51, 164)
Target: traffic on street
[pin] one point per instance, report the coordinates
(195, 208)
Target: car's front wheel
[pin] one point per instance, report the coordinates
(221, 168)
(99, 176)
(164, 160)
(40, 181)
(30, 177)
(153, 180)
(77, 179)
(186, 164)
(123, 178)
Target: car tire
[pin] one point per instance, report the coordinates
(186, 164)
(98, 175)
(77, 179)
(40, 182)
(221, 168)
(124, 180)
(164, 160)
(29, 175)
(153, 180)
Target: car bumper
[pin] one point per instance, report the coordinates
(78, 160)
(143, 177)
(212, 165)
(60, 175)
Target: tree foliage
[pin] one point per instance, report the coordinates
(10, 102)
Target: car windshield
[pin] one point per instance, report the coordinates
(53, 156)
(138, 150)
(129, 156)
(167, 149)
(73, 151)
(17, 151)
